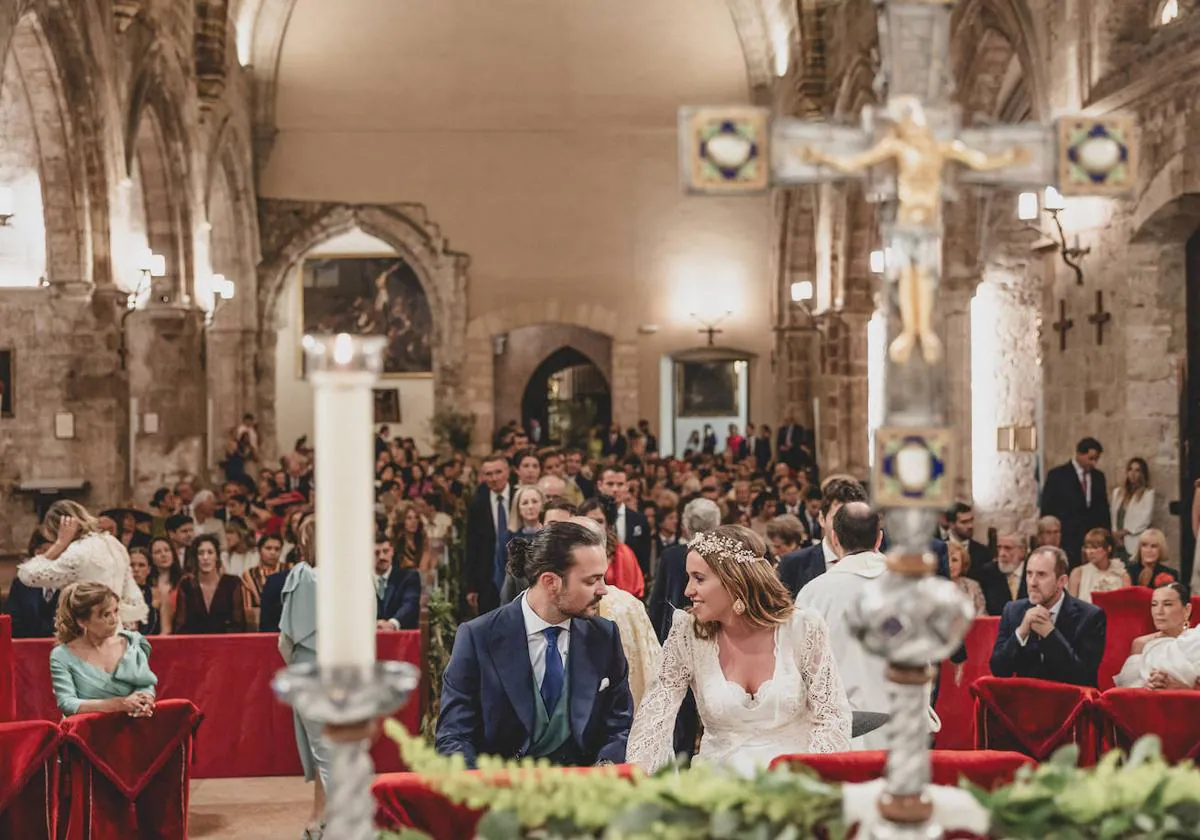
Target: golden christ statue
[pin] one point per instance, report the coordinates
(920, 159)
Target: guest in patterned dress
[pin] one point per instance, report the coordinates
(270, 553)
(96, 666)
(960, 562)
(1101, 572)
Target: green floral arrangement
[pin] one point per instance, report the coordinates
(1142, 797)
(442, 626)
(452, 430)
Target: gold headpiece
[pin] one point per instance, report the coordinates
(712, 546)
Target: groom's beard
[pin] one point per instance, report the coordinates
(589, 611)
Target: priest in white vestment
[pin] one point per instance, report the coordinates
(855, 537)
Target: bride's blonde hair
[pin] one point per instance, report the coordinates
(737, 556)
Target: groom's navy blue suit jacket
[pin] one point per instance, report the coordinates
(487, 690)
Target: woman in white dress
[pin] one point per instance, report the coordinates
(1132, 507)
(1101, 572)
(1168, 658)
(81, 551)
(765, 680)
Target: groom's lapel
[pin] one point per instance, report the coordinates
(582, 667)
(510, 656)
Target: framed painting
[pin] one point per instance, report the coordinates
(706, 389)
(370, 295)
(387, 405)
(8, 368)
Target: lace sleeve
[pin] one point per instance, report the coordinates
(827, 703)
(41, 573)
(651, 739)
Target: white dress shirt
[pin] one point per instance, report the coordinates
(831, 557)
(1085, 480)
(534, 625)
(621, 523)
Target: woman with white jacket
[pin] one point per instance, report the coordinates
(1132, 507)
(80, 551)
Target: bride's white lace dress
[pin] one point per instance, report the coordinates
(802, 708)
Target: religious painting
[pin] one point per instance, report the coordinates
(706, 389)
(370, 295)
(387, 405)
(913, 468)
(7, 374)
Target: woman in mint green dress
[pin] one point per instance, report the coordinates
(297, 644)
(96, 666)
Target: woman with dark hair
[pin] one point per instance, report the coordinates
(165, 574)
(139, 564)
(623, 569)
(763, 672)
(1168, 658)
(1132, 507)
(408, 537)
(209, 600)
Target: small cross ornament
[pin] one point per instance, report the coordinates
(1100, 318)
(1062, 325)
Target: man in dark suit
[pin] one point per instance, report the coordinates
(575, 476)
(1003, 580)
(648, 436)
(670, 579)
(632, 527)
(794, 443)
(506, 690)
(799, 567)
(1050, 635)
(962, 531)
(397, 591)
(487, 529)
(761, 447)
(810, 517)
(1077, 494)
(32, 610)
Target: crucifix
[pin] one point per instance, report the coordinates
(912, 153)
(1062, 325)
(1099, 318)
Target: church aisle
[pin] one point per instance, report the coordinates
(273, 808)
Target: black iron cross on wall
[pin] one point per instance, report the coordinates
(1100, 318)
(1062, 325)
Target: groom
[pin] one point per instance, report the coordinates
(542, 676)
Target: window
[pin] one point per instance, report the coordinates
(1168, 12)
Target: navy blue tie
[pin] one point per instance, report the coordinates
(552, 681)
(501, 559)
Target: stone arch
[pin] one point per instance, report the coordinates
(479, 387)
(157, 143)
(1013, 20)
(289, 229)
(527, 348)
(234, 241)
(534, 400)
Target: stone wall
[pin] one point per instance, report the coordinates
(527, 347)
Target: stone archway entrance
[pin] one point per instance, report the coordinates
(567, 394)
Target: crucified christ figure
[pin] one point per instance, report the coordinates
(920, 160)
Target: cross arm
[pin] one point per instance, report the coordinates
(1006, 155)
(814, 153)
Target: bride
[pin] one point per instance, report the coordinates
(1170, 657)
(764, 677)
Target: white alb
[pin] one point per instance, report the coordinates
(99, 558)
(802, 708)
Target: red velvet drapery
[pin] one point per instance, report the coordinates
(8, 696)
(1035, 717)
(28, 780)
(1126, 714)
(128, 777)
(986, 768)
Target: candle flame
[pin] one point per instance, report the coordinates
(343, 349)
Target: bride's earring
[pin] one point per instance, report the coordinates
(739, 606)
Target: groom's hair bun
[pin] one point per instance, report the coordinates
(550, 550)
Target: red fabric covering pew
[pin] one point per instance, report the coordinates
(8, 696)
(127, 777)
(955, 704)
(29, 780)
(405, 800)
(247, 731)
(987, 769)
(1128, 613)
(1126, 714)
(1035, 717)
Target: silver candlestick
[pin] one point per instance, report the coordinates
(347, 702)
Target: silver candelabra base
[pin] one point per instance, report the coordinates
(347, 701)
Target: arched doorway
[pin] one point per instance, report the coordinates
(567, 394)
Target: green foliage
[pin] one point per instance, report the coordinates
(442, 625)
(1142, 797)
(452, 430)
(577, 418)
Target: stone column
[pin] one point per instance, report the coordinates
(229, 355)
(164, 346)
(954, 301)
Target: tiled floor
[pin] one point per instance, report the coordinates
(249, 809)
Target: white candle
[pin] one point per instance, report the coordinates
(342, 371)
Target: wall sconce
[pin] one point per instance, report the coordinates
(7, 206)
(223, 291)
(710, 327)
(802, 291)
(1053, 204)
(499, 343)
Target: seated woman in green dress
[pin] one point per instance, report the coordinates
(96, 666)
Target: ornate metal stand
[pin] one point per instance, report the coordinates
(347, 701)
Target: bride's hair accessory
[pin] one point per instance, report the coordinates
(710, 545)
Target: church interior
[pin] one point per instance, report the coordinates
(189, 188)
